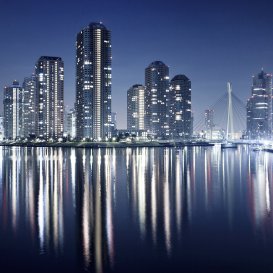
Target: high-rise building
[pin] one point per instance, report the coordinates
(209, 122)
(28, 106)
(180, 107)
(49, 97)
(71, 123)
(114, 120)
(1, 128)
(157, 116)
(209, 117)
(93, 82)
(259, 107)
(13, 111)
(135, 107)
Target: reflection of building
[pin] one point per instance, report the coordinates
(259, 107)
(159, 192)
(180, 107)
(28, 101)
(13, 111)
(93, 82)
(157, 99)
(95, 200)
(259, 191)
(50, 97)
(135, 107)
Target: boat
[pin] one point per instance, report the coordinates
(229, 145)
(257, 149)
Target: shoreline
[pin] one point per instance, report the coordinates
(97, 145)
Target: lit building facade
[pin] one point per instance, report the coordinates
(135, 107)
(1, 128)
(209, 123)
(93, 82)
(49, 97)
(209, 117)
(157, 115)
(259, 107)
(114, 120)
(28, 106)
(13, 111)
(71, 123)
(180, 107)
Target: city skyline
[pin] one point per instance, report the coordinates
(210, 60)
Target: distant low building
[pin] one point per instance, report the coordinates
(137, 134)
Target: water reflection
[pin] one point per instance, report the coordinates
(81, 201)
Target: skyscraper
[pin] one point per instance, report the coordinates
(209, 116)
(135, 107)
(71, 124)
(28, 106)
(259, 107)
(1, 128)
(157, 117)
(49, 97)
(114, 120)
(13, 111)
(93, 82)
(180, 107)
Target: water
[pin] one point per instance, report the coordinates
(136, 210)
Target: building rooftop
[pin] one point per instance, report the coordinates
(137, 85)
(49, 58)
(157, 63)
(180, 77)
(97, 25)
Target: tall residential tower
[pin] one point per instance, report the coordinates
(13, 111)
(28, 106)
(180, 107)
(135, 107)
(93, 82)
(157, 118)
(49, 97)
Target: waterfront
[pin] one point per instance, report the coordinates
(191, 209)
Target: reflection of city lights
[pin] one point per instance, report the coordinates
(166, 194)
(178, 194)
(61, 193)
(141, 158)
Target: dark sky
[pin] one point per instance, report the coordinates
(211, 42)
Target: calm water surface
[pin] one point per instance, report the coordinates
(136, 210)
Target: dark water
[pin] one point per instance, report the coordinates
(136, 210)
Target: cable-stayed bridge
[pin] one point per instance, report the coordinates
(228, 118)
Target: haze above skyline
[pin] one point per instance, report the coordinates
(211, 42)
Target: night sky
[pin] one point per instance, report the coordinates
(211, 42)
